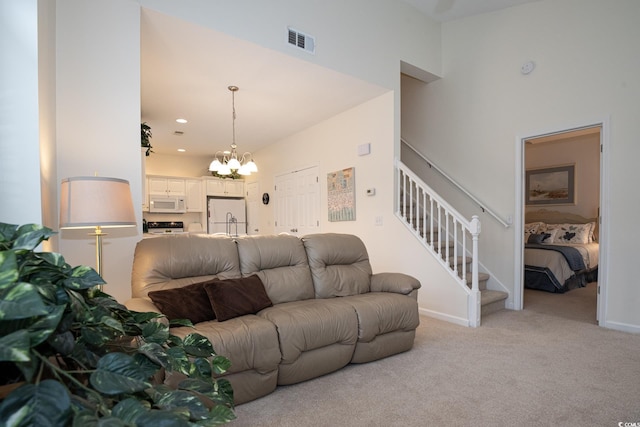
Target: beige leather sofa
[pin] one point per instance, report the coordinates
(328, 309)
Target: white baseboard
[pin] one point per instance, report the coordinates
(446, 317)
(624, 327)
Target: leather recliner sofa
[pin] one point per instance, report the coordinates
(326, 308)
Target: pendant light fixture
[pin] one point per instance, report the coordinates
(227, 162)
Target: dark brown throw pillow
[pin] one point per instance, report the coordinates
(236, 297)
(189, 302)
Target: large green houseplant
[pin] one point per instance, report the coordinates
(83, 359)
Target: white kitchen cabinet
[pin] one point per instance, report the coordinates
(225, 187)
(195, 198)
(166, 186)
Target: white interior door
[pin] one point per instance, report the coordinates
(297, 202)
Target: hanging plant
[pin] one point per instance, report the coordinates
(145, 138)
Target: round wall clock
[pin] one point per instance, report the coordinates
(265, 198)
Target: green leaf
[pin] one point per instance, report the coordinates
(161, 419)
(8, 268)
(7, 231)
(30, 236)
(183, 400)
(181, 322)
(147, 367)
(19, 301)
(155, 332)
(219, 414)
(118, 373)
(87, 419)
(44, 404)
(145, 317)
(52, 258)
(41, 329)
(156, 353)
(201, 368)
(15, 347)
(198, 345)
(130, 409)
(179, 360)
(220, 364)
(219, 390)
(83, 277)
(113, 324)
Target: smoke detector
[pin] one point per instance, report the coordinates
(301, 40)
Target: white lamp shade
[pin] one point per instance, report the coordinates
(251, 166)
(233, 163)
(214, 166)
(90, 201)
(244, 170)
(224, 169)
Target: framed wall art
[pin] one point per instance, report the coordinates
(341, 195)
(551, 186)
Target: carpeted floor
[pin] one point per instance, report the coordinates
(519, 368)
(578, 304)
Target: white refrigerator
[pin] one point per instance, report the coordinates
(226, 216)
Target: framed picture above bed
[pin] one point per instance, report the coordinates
(551, 186)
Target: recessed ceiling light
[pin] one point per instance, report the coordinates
(182, 150)
(181, 120)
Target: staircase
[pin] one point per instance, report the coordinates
(450, 237)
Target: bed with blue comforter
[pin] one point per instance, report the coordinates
(560, 256)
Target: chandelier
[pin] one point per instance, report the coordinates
(228, 162)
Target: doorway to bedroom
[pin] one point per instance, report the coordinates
(562, 191)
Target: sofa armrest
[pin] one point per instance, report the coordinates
(394, 282)
(144, 305)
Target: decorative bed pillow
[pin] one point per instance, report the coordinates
(593, 237)
(188, 302)
(541, 238)
(236, 297)
(570, 233)
(531, 228)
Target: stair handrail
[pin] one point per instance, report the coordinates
(432, 165)
(467, 226)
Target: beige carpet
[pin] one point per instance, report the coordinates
(519, 368)
(578, 304)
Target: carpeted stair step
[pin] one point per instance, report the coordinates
(482, 280)
(491, 301)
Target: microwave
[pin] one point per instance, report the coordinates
(167, 204)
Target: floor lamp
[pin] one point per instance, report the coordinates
(96, 202)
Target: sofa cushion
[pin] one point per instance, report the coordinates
(339, 264)
(188, 302)
(183, 259)
(316, 337)
(280, 262)
(236, 297)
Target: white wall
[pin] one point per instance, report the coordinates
(19, 129)
(587, 68)
(98, 119)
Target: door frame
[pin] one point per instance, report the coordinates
(518, 297)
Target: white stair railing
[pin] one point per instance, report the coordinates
(442, 230)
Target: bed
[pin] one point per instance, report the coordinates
(560, 252)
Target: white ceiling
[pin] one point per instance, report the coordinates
(448, 10)
(186, 70)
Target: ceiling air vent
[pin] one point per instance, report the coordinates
(301, 40)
